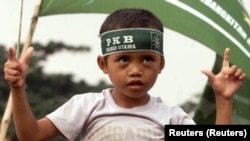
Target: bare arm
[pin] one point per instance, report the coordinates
(26, 125)
(225, 85)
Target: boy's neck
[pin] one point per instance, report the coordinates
(129, 102)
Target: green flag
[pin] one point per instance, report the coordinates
(214, 23)
(217, 24)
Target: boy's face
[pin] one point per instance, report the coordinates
(132, 73)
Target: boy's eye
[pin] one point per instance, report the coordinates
(123, 60)
(148, 59)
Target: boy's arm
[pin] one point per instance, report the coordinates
(224, 110)
(26, 126)
(225, 85)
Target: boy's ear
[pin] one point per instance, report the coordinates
(162, 65)
(102, 64)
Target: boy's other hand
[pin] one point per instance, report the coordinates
(228, 80)
(16, 70)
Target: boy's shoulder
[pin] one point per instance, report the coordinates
(89, 97)
(166, 105)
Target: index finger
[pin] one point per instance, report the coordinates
(11, 54)
(226, 57)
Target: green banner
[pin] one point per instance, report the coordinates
(214, 23)
(217, 24)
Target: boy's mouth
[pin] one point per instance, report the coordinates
(136, 84)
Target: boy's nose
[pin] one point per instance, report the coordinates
(135, 70)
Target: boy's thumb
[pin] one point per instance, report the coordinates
(28, 55)
(209, 74)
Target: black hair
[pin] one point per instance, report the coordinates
(131, 18)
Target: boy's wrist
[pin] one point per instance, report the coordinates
(17, 88)
(223, 102)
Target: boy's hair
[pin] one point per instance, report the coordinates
(130, 18)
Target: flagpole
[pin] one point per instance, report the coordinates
(8, 110)
(6, 119)
(32, 27)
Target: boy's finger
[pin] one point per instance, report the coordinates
(238, 73)
(209, 74)
(225, 62)
(12, 79)
(11, 72)
(28, 55)
(11, 54)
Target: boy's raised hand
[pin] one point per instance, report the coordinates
(228, 80)
(16, 70)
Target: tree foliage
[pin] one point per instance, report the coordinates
(45, 92)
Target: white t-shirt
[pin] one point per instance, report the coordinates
(97, 117)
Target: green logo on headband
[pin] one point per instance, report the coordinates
(132, 39)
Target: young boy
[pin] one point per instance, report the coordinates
(132, 57)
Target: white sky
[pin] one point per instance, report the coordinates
(185, 58)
